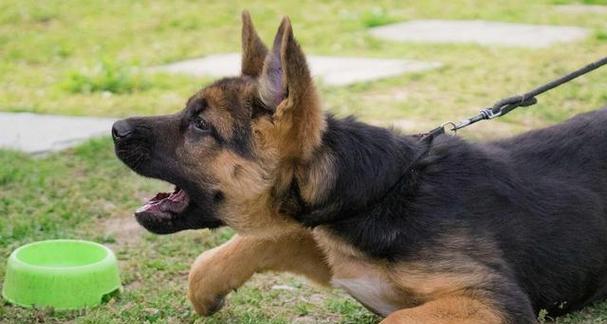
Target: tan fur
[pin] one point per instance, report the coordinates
(298, 121)
(249, 195)
(411, 284)
(316, 178)
(349, 263)
(452, 309)
(218, 271)
(218, 113)
(429, 285)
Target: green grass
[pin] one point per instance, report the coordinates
(87, 58)
(589, 2)
(106, 77)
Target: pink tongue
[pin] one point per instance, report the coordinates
(175, 202)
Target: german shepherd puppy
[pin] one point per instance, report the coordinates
(441, 231)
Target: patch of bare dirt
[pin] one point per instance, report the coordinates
(125, 230)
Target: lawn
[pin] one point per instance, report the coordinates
(87, 58)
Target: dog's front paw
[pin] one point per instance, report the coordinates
(204, 304)
(209, 283)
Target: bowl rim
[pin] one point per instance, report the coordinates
(109, 257)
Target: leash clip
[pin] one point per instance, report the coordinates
(490, 114)
(452, 131)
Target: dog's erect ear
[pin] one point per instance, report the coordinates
(286, 87)
(253, 49)
(285, 74)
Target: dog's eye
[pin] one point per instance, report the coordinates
(200, 124)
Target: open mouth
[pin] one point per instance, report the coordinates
(161, 213)
(165, 205)
(168, 213)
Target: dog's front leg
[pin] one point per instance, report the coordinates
(220, 270)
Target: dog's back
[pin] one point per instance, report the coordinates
(560, 244)
(559, 149)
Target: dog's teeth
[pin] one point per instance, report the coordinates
(142, 208)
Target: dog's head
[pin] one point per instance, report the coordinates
(231, 151)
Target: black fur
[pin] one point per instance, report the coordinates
(530, 208)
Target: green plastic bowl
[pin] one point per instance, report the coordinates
(63, 274)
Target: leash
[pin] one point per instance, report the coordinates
(506, 105)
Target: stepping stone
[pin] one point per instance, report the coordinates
(581, 9)
(36, 134)
(480, 32)
(331, 70)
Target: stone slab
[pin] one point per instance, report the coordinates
(36, 134)
(582, 9)
(331, 70)
(480, 32)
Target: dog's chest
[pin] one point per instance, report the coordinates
(366, 282)
(369, 291)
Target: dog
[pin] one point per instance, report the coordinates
(440, 231)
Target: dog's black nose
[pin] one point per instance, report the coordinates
(121, 129)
